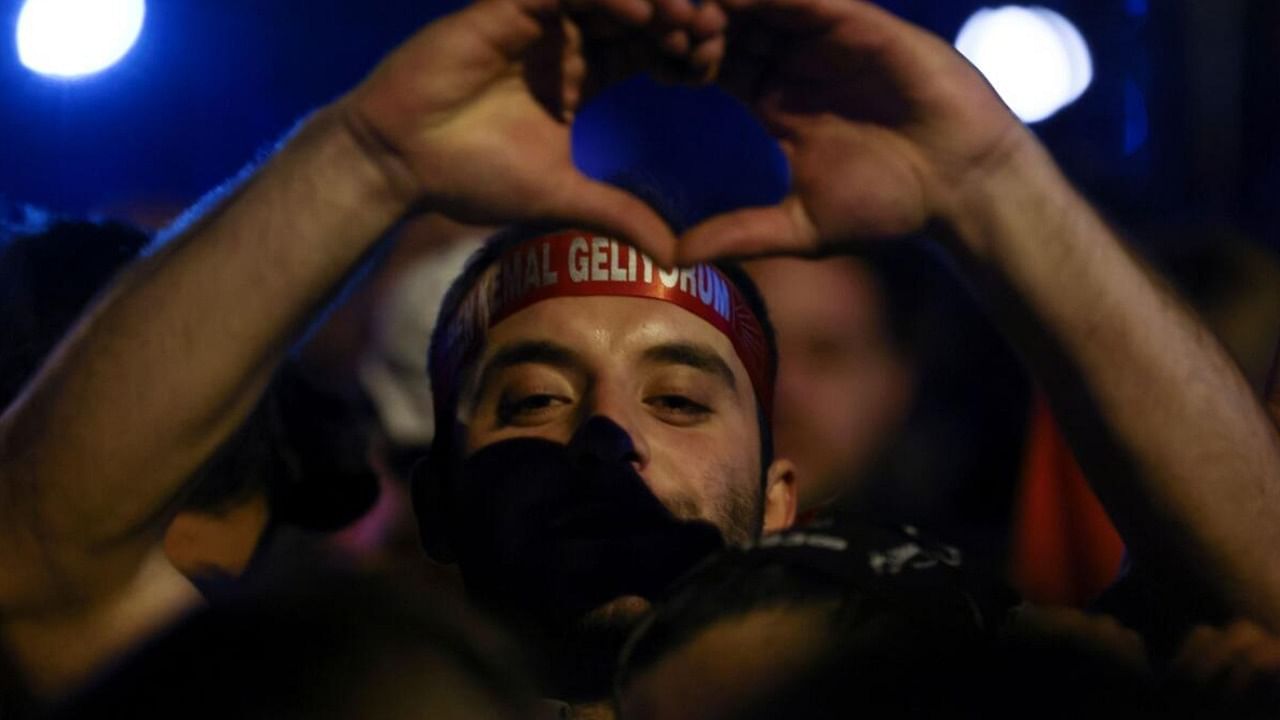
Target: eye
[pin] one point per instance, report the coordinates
(529, 409)
(678, 409)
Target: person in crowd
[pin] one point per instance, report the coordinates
(897, 398)
(846, 377)
(647, 418)
(320, 645)
(564, 519)
(50, 270)
(865, 621)
(841, 621)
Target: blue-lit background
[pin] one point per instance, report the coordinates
(1178, 122)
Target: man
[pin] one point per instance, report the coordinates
(603, 423)
(886, 129)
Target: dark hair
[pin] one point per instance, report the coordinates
(841, 569)
(50, 270)
(456, 343)
(921, 641)
(330, 645)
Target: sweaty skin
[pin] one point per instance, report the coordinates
(887, 130)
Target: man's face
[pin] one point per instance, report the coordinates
(664, 375)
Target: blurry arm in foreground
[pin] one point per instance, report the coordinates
(890, 131)
(470, 117)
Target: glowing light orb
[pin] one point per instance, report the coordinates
(75, 38)
(1035, 58)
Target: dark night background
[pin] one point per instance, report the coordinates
(1179, 123)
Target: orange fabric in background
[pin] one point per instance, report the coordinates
(1065, 551)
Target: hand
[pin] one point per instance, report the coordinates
(471, 116)
(1101, 635)
(884, 126)
(1238, 659)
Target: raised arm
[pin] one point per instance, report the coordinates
(1273, 388)
(470, 117)
(889, 130)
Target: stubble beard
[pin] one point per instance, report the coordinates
(583, 658)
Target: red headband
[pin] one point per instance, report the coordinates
(573, 263)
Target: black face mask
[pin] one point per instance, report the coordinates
(552, 531)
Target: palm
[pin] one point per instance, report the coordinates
(457, 104)
(850, 178)
(475, 113)
(879, 120)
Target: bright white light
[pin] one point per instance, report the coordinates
(1035, 59)
(74, 38)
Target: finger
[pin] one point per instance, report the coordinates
(1217, 659)
(804, 16)
(600, 26)
(777, 230)
(1194, 659)
(748, 52)
(597, 206)
(674, 42)
(852, 23)
(786, 15)
(1256, 664)
(708, 20)
(674, 12)
(705, 59)
(633, 13)
(1250, 645)
(510, 26)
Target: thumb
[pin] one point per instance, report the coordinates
(780, 229)
(593, 205)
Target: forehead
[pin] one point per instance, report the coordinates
(610, 327)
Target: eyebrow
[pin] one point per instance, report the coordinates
(527, 352)
(698, 357)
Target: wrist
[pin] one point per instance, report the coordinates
(367, 164)
(1016, 195)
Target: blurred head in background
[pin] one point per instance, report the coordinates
(320, 646)
(846, 378)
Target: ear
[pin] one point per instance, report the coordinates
(780, 496)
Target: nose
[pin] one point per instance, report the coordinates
(601, 439)
(609, 434)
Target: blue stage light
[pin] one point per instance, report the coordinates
(1035, 58)
(75, 38)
